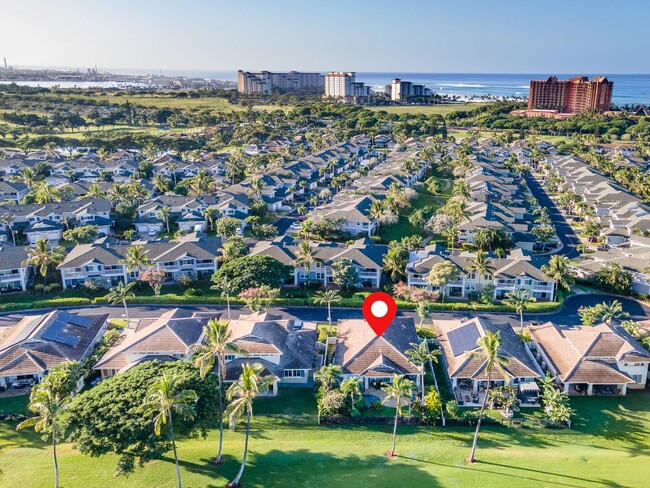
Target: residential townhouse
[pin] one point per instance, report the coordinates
(633, 256)
(103, 260)
(353, 211)
(587, 360)
(169, 337)
(13, 273)
(82, 212)
(466, 370)
(11, 191)
(511, 273)
(363, 254)
(39, 342)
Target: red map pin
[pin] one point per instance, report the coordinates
(379, 310)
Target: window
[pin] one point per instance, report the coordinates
(230, 357)
(638, 378)
(294, 373)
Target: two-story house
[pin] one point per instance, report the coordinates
(104, 260)
(511, 273)
(13, 273)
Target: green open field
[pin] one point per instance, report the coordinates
(609, 446)
(442, 109)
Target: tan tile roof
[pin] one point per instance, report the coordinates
(360, 351)
(462, 360)
(587, 354)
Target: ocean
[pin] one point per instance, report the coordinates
(629, 89)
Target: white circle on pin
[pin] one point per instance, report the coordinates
(379, 308)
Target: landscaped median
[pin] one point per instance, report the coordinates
(354, 301)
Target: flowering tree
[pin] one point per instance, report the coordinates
(414, 294)
(154, 278)
(259, 298)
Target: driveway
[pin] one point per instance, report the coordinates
(565, 232)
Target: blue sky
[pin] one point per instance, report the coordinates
(499, 36)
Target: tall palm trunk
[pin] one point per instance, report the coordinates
(171, 433)
(329, 315)
(472, 457)
(56, 463)
(237, 479)
(44, 281)
(126, 311)
(228, 304)
(392, 452)
(219, 373)
(521, 324)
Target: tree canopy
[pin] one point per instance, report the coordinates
(114, 416)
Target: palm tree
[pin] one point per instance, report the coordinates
(164, 213)
(328, 375)
(172, 167)
(481, 265)
(160, 183)
(558, 270)
(305, 257)
(136, 258)
(26, 176)
(210, 214)
(48, 403)
(119, 294)
(46, 193)
(328, 297)
(167, 400)
(95, 191)
(420, 355)
(352, 387)
(519, 300)
(241, 394)
(611, 311)
(489, 345)
(216, 344)
(42, 256)
(118, 193)
(227, 288)
(401, 389)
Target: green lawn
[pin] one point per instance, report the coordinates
(16, 404)
(609, 446)
(403, 227)
(442, 109)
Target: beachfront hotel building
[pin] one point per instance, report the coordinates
(342, 86)
(265, 82)
(555, 98)
(400, 90)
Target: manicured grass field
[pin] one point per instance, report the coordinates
(609, 446)
(442, 109)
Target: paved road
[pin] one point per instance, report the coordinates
(568, 315)
(283, 224)
(564, 231)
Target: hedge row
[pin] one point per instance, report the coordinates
(354, 302)
(47, 303)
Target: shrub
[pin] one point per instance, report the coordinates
(38, 288)
(185, 280)
(193, 292)
(333, 404)
(92, 285)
